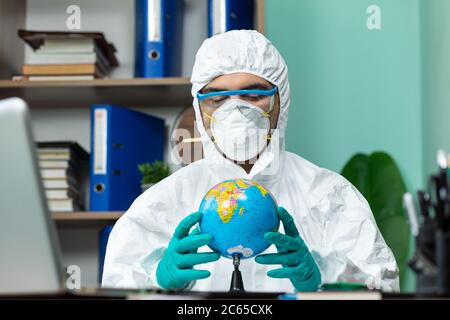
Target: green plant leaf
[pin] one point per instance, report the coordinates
(153, 172)
(379, 180)
(357, 172)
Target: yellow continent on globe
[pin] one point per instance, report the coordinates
(226, 195)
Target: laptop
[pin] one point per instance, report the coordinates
(29, 249)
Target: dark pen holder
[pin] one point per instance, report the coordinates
(432, 262)
(424, 261)
(443, 263)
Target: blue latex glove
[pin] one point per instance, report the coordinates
(293, 255)
(175, 270)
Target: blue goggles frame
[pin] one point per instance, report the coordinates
(269, 93)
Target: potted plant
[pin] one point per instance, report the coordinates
(153, 173)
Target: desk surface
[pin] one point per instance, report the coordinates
(123, 294)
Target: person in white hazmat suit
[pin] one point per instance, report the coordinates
(240, 88)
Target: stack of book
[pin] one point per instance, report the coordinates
(66, 56)
(60, 165)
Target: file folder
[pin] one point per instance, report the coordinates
(120, 140)
(226, 15)
(159, 25)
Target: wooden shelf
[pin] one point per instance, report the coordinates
(97, 83)
(138, 92)
(86, 219)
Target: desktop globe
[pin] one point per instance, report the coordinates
(237, 213)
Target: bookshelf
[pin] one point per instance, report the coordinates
(19, 14)
(161, 92)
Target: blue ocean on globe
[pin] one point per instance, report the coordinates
(237, 213)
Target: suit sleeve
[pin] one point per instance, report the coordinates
(352, 247)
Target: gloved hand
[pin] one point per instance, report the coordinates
(175, 270)
(293, 255)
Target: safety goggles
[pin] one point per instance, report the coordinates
(265, 99)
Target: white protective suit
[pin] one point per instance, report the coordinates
(333, 218)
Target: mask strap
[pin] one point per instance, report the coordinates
(213, 139)
(271, 105)
(208, 116)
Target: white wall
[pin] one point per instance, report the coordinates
(116, 19)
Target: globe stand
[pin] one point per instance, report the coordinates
(237, 285)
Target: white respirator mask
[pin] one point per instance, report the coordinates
(240, 129)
